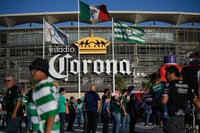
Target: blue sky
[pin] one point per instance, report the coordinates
(30, 6)
(34, 6)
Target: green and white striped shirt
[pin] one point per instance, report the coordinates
(45, 105)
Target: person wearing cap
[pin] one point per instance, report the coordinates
(115, 109)
(13, 100)
(44, 109)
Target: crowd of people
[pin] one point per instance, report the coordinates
(45, 108)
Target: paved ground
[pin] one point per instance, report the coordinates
(140, 128)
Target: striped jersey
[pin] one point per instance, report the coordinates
(44, 105)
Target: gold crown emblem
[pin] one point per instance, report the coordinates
(92, 45)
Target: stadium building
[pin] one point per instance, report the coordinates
(165, 32)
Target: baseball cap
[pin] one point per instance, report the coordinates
(114, 94)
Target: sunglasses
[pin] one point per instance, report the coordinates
(7, 81)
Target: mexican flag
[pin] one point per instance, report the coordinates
(93, 13)
(127, 33)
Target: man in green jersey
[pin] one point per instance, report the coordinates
(62, 108)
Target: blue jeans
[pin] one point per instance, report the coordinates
(147, 117)
(165, 110)
(117, 119)
(79, 117)
(62, 121)
(28, 123)
(125, 122)
(13, 125)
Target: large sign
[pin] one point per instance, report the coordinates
(66, 65)
(60, 66)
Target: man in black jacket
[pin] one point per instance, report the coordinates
(176, 94)
(92, 105)
(13, 101)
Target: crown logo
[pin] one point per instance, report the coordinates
(92, 45)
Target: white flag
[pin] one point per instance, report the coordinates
(54, 35)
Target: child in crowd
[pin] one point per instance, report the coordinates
(79, 111)
(115, 108)
(44, 104)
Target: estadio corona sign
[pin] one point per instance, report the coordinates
(61, 65)
(68, 65)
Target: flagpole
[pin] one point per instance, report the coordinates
(43, 53)
(79, 74)
(113, 55)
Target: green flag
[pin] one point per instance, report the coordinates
(127, 33)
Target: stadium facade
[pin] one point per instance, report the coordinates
(19, 46)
